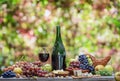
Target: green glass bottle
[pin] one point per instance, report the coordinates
(58, 53)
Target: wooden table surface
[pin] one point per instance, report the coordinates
(102, 78)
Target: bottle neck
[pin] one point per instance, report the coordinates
(58, 34)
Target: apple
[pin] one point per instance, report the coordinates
(109, 68)
(99, 67)
(117, 76)
(18, 70)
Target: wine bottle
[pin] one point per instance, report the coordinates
(58, 53)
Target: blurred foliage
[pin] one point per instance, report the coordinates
(26, 25)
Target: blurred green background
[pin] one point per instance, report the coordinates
(91, 25)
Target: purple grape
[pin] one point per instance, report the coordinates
(91, 68)
(82, 66)
(82, 56)
(8, 74)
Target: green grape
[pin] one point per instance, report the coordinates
(90, 61)
(47, 67)
(104, 72)
(97, 72)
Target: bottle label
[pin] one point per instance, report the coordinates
(60, 61)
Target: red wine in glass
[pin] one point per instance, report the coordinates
(43, 57)
(43, 54)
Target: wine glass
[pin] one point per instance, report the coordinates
(43, 55)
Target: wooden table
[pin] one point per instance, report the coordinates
(102, 78)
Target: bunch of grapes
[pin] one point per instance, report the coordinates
(37, 63)
(75, 64)
(85, 64)
(8, 74)
(29, 69)
(10, 68)
(21, 64)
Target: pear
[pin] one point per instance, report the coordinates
(18, 70)
(117, 76)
